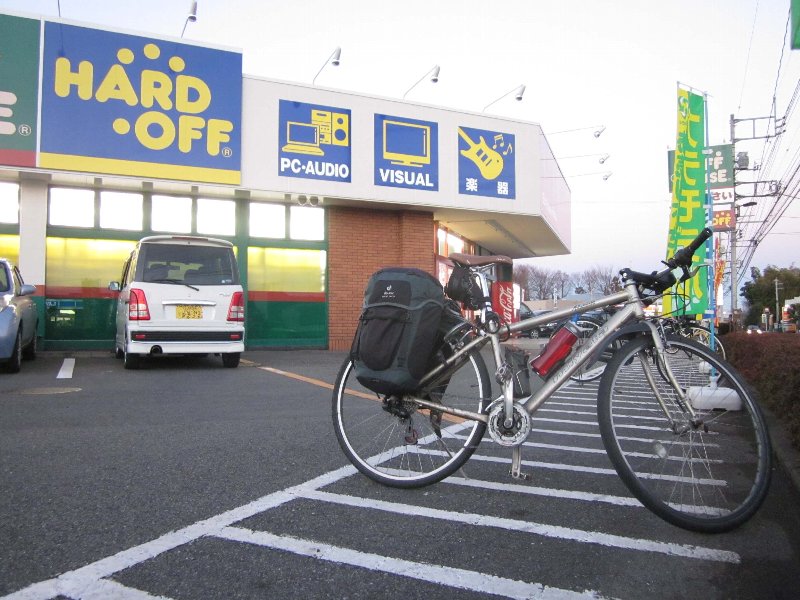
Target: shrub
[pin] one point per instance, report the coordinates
(771, 364)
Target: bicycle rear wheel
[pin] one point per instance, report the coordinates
(397, 442)
(710, 475)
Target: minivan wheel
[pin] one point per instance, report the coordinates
(131, 360)
(231, 360)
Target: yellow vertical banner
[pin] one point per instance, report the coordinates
(688, 213)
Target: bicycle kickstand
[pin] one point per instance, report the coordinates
(516, 465)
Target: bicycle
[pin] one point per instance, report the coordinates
(687, 327)
(682, 429)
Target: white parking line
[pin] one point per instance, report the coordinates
(441, 575)
(66, 369)
(551, 531)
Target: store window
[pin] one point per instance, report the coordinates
(172, 213)
(448, 243)
(216, 216)
(306, 223)
(9, 202)
(71, 207)
(267, 220)
(121, 210)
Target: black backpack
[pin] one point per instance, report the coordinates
(398, 329)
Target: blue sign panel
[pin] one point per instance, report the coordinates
(406, 153)
(484, 169)
(123, 104)
(313, 141)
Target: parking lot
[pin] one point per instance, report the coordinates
(188, 480)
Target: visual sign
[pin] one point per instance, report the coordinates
(129, 105)
(19, 90)
(313, 141)
(406, 153)
(485, 170)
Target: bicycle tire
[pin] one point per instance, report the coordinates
(709, 478)
(591, 370)
(419, 449)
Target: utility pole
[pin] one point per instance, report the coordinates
(778, 312)
(734, 233)
(778, 129)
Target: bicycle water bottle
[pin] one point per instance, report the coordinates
(557, 349)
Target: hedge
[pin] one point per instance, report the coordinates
(770, 362)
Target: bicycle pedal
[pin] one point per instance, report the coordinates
(519, 475)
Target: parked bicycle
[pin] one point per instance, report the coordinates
(680, 425)
(687, 327)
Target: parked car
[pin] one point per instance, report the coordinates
(542, 331)
(179, 295)
(19, 318)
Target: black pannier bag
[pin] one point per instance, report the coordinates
(397, 330)
(518, 361)
(464, 286)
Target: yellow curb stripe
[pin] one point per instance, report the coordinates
(324, 384)
(317, 382)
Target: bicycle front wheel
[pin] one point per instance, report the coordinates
(707, 474)
(397, 442)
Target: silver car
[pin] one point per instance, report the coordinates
(19, 318)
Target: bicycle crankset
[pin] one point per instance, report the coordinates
(508, 436)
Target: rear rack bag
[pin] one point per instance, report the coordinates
(397, 330)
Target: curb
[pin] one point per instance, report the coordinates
(782, 447)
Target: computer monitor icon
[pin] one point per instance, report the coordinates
(406, 144)
(302, 138)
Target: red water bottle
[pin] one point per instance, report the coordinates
(556, 350)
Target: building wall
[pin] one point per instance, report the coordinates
(360, 242)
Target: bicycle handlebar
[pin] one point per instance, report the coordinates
(683, 257)
(660, 281)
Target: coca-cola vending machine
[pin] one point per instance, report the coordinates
(503, 293)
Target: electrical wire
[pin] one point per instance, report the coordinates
(747, 61)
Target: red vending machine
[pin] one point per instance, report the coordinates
(503, 293)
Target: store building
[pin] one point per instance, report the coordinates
(109, 136)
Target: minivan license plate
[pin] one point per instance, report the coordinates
(188, 311)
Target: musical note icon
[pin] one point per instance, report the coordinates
(498, 140)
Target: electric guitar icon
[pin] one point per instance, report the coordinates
(488, 161)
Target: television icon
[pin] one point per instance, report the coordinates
(406, 144)
(302, 138)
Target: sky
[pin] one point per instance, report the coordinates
(585, 64)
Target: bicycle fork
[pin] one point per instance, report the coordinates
(661, 358)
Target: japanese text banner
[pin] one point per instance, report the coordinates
(687, 213)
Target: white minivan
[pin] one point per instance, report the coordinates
(179, 295)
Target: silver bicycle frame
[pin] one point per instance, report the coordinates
(633, 310)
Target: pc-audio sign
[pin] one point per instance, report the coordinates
(313, 141)
(123, 104)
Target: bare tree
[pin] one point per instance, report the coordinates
(599, 280)
(542, 284)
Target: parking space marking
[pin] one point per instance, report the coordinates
(551, 531)
(439, 574)
(66, 369)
